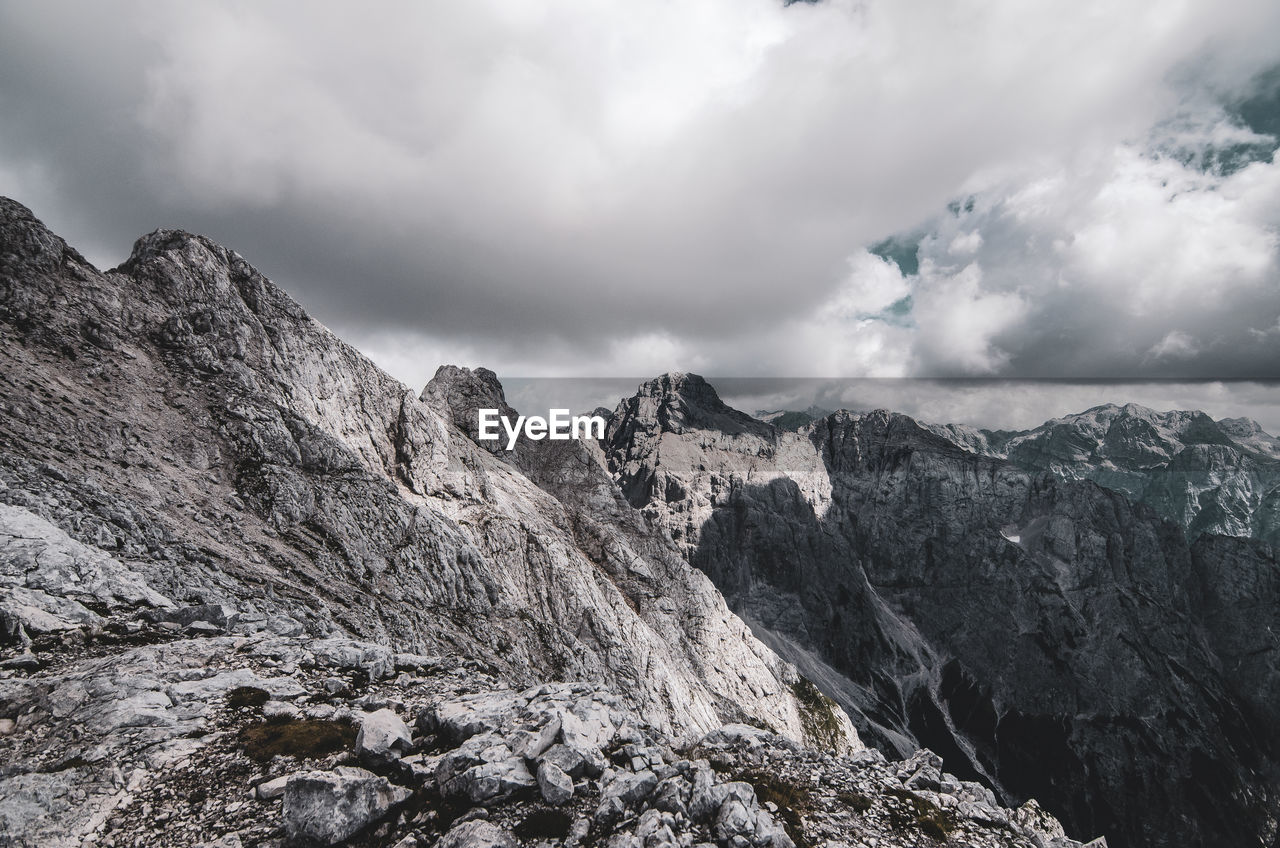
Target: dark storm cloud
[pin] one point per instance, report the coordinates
(596, 188)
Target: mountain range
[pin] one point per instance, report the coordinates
(1209, 476)
(255, 591)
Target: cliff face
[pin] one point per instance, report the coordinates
(1048, 637)
(181, 444)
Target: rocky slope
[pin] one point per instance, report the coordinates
(1050, 638)
(1209, 476)
(192, 469)
(245, 737)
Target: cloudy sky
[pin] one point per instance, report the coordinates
(889, 188)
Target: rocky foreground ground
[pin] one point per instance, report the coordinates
(200, 727)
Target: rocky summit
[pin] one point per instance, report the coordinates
(253, 591)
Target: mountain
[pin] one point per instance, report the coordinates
(790, 419)
(1208, 476)
(255, 592)
(1049, 637)
(228, 542)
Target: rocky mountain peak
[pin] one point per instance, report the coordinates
(194, 272)
(166, 243)
(461, 392)
(677, 402)
(1137, 409)
(1240, 426)
(27, 242)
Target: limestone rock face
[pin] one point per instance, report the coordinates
(186, 456)
(1051, 638)
(234, 451)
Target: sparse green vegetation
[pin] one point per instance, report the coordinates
(818, 715)
(792, 800)
(858, 802)
(916, 812)
(305, 738)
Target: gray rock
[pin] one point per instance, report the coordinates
(269, 790)
(459, 720)
(383, 737)
(31, 612)
(494, 781)
(483, 770)
(477, 834)
(329, 807)
(337, 686)
(657, 829)
(535, 743)
(630, 788)
(280, 710)
(555, 785)
(37, 555)
(672, 795)
(740, 735)
(220, 616)
(569, 760)
(215, 686)
(25, 661)
(705, 795)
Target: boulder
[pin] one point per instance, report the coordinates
(482, 770)
(329, 807)
(477, 834)
(555, 785)
(383, 737)
(630, 788)
(269, 790)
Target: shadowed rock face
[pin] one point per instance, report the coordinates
(1050, 638)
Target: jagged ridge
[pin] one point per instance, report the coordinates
(187, 421)
(1049, 637)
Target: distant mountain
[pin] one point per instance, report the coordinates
(1208, 476)
(793, 420)
(1048, 636)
